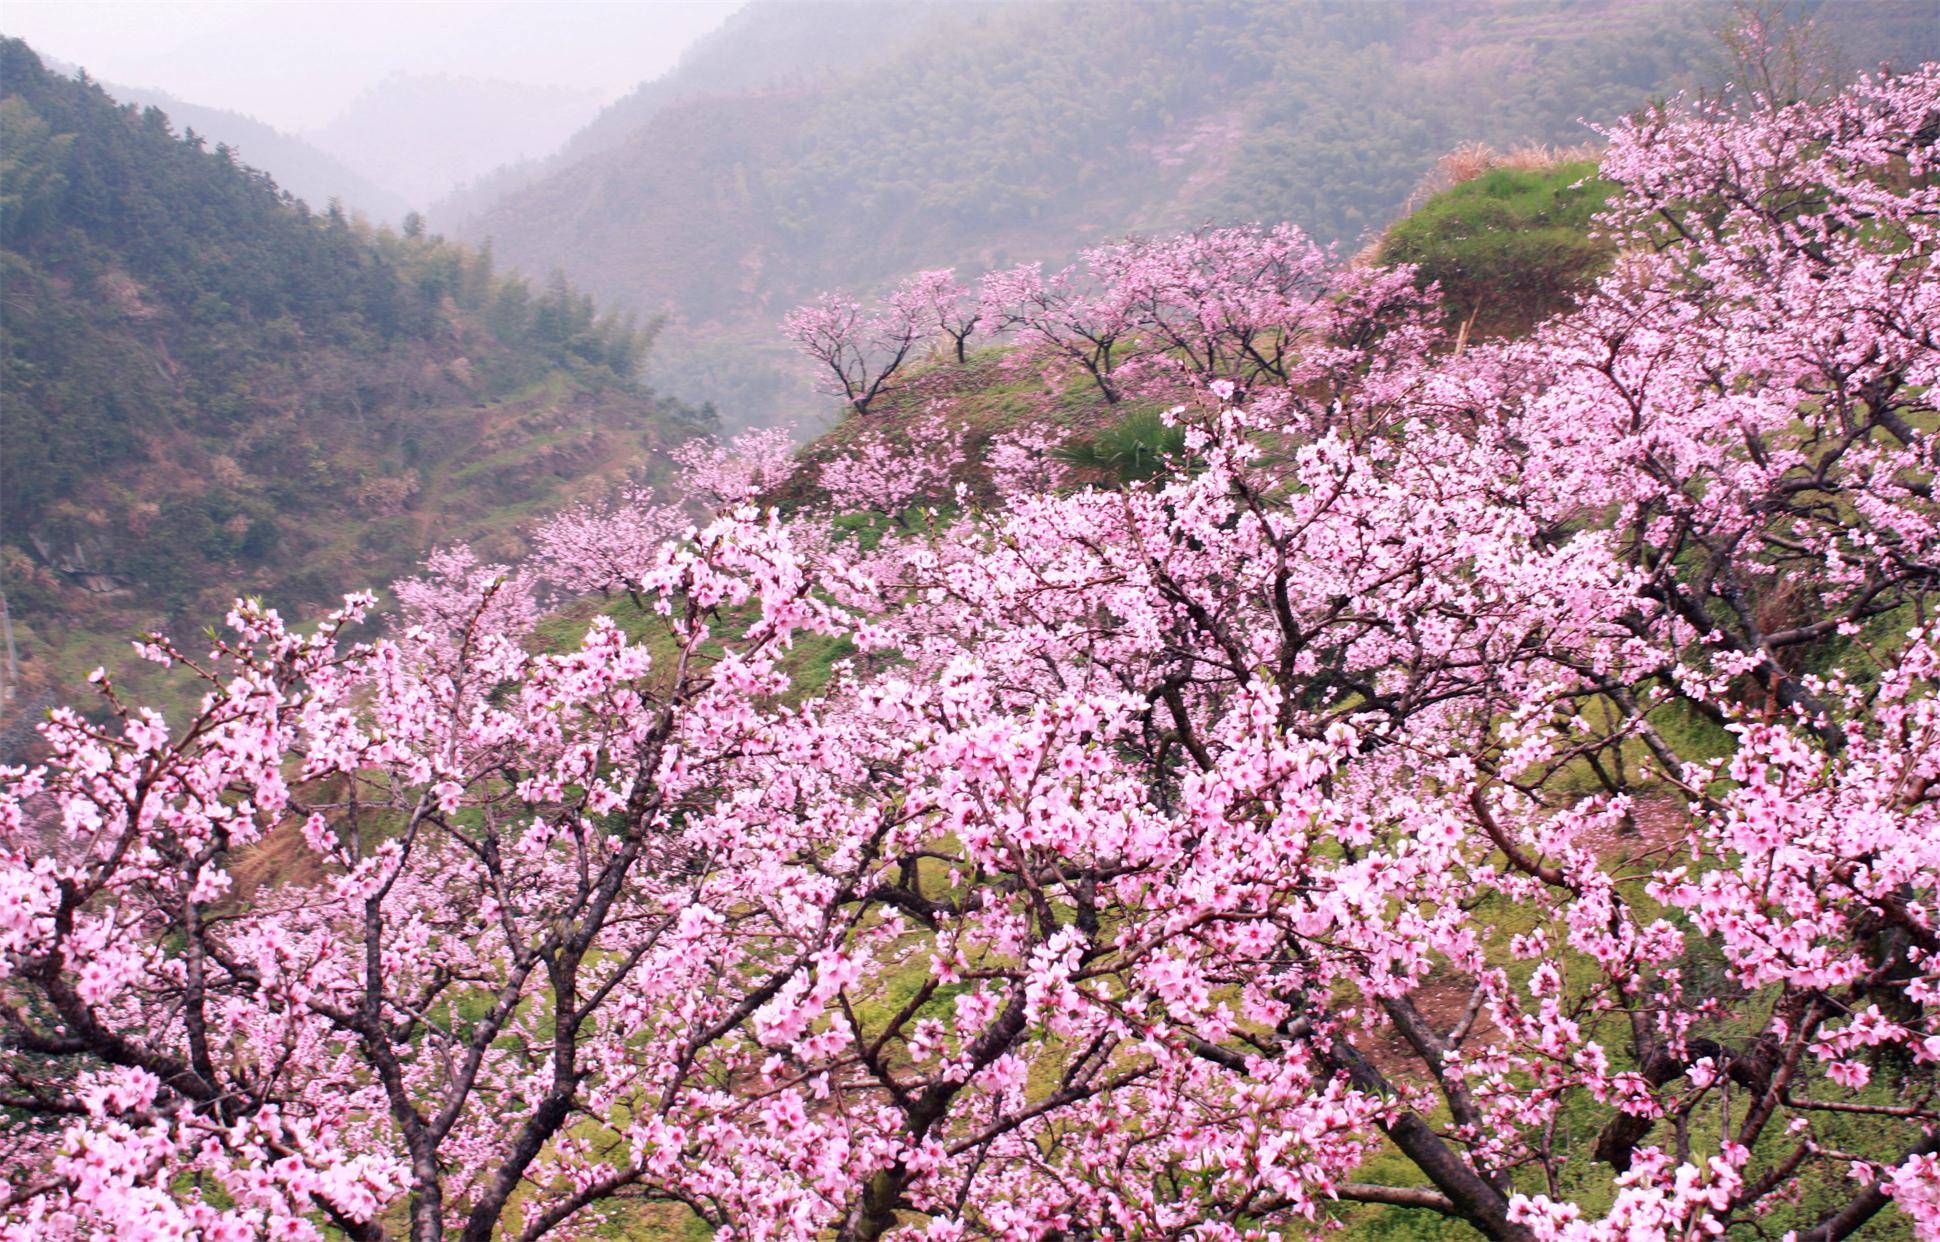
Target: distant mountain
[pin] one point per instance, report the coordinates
(207, 389)
(787, 46)
(420, 136)
(977, 135)
(301, 167)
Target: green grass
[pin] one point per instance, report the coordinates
(1140, 445)
(1509, 247)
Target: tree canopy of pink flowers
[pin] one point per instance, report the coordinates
(1502, 784)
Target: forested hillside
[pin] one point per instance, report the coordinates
(297, 164)
(210, 389)
(998, 134)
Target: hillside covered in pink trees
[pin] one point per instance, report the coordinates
(1317, 766)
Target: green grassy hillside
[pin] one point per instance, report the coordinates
(1508, 246)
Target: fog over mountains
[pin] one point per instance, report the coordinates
(400, 145)
(421, 135)
(413, 100)
(792, 45)
(298, 164)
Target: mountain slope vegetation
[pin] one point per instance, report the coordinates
(210, 389)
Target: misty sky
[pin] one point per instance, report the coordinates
(295, 63)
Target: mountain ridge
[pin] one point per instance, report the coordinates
(298, 165)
